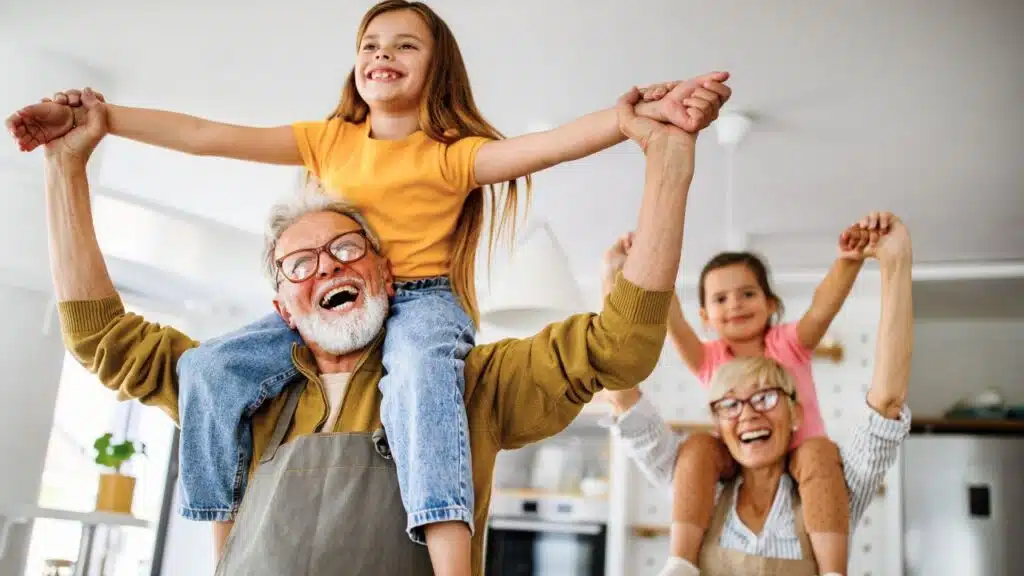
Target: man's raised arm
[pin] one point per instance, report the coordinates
(76, 263)
(653, 261)
(128, 354)
(542, 382)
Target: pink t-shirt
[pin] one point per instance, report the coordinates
(781, 344)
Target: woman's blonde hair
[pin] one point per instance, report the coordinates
(760, 371)
(447, 112)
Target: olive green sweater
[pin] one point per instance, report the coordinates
(518, 391)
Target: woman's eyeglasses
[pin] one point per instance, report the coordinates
(761, 401)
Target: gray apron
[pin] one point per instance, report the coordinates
(323, 504)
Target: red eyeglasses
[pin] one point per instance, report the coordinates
(761, 401)
(301, 265)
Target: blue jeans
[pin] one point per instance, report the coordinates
(221, 384)
(423, 411)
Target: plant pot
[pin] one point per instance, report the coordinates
(115, 493)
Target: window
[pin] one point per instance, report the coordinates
(84, 411)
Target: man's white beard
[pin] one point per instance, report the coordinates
(348, 333)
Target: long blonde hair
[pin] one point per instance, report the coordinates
(447, 112)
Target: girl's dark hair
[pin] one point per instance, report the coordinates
(755, 265)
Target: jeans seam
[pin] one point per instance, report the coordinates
(439, 509)
(417, 520)
(464, 487)
(459, 507)
(432, 283)
(206, 514)
(205, 509)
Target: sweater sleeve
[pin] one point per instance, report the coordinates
(536, 386)
(135, 358)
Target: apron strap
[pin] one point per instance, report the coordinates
(725, 503)
(284, 420)
(801, 530)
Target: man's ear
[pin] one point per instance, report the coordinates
(388, 278)
(282, 311)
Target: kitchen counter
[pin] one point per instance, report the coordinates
(970, 426)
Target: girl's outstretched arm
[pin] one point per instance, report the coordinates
(691, 105)
(35, 125)
(855, 243)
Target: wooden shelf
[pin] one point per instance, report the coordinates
(543, 494)
(649, 530)
(833, 352)
(966, 426)
(687, 427)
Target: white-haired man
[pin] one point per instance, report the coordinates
(320, 503)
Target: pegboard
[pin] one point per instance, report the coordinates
(841, 394)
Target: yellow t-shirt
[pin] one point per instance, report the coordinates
(411, 191)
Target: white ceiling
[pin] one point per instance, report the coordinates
(912, 106)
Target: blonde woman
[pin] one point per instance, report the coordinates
(757, 528)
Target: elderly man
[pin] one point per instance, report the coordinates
(320, 503)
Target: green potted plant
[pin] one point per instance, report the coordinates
(116, 490)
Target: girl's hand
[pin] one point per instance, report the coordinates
(852, 243)
(39, 124)
(653, 92)
(691, 105)
(860, 240)
(645, 131)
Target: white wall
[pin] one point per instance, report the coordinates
(30, 365)
(189, 546)
(954, 358)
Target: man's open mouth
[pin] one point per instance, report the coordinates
(339, 298)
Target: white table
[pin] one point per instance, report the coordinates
(11, 516)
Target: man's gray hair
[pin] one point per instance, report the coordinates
(308, 200)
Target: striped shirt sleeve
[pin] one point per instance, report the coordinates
(649, 442)
(868, 453)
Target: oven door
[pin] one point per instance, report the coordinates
(521, 547)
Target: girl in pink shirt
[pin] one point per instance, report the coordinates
(738, 303)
